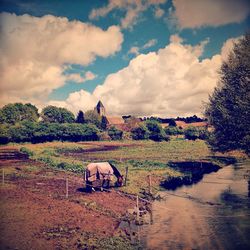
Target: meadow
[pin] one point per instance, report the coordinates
(142, 158)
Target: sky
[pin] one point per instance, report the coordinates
(139, 57)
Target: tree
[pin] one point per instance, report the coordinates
(57, 115)
(172, 123)
(17, 112)
(140, 133)
(228, 110)
(156, 132)
(191, 133)
(104, 123)
(115, 134)
(93, 117)
(80, 117)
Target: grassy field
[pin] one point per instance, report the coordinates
(142, 158)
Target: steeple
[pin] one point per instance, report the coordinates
(100, 109)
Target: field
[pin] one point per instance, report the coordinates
(34, 189)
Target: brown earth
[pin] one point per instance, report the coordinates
(35, 213)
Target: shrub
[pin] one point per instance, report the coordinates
(193, 133)
(140, 133)
(115, 134)
(156, 132)
(173, 131)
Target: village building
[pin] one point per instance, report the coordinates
(117, 121)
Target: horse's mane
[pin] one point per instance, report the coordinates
(116, 172)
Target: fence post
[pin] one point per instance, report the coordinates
(126, 176)
(3, 176)
(67, 188)
(137, 208)
(150, 184)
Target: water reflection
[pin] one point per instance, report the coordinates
(213, 214)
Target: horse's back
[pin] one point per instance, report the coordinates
(103, 169)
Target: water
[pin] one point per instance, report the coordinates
(212, 214)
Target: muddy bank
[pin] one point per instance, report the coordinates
(34, 193)
(192, 171)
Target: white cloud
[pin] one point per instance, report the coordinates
(199, 13)
(134, 50)
(159, 12)
(34, 51)
(75, 77)
(132, 8)
(149, 44)
(228, 46)
(170, 82)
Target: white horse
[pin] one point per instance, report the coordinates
(100, 174)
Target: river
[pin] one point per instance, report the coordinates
(212, 214)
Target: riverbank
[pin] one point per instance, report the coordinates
(39, 183)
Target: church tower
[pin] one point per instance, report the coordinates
(100, 109)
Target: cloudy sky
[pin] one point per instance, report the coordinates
(140, 57)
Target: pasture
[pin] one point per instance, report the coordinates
(142, 158)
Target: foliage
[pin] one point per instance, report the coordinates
(191, 133)
(156, 132)
(115, 134)
(80, 117)
(93, 117)
(173, 131)
(4, 135)
(54, 114)
(17, 112)
(46, 132)
(104, 123)
(229, 106)
(172, 123)
(140, 133)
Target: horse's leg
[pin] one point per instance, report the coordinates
(89, 186)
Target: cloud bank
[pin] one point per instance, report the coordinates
(170, 82)
(35, 50)
(199, 13)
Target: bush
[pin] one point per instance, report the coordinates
(140, 133)
(4, 134)
(193, 133)
(156, 132)
(115, 134)
(173, 131)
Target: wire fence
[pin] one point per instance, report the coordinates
(76, 182)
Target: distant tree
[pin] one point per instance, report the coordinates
(228, 110)
(173, 131)
(57, 115)
(80, 117)
(104, 123)
(93, 117)
(191, 133)
(115, 134)
(172, 123)
(140, 133)
(156, 132)
(17, 112)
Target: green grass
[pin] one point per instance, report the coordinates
(142, 158)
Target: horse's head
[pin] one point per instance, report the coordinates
(119, 182)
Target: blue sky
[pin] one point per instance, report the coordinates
(162, 27)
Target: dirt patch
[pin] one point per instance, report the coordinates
(36, 214)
